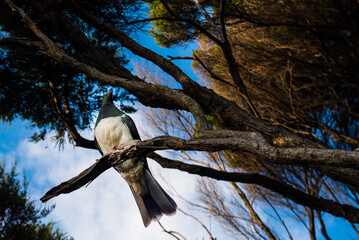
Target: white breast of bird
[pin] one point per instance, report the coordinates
(111, 132)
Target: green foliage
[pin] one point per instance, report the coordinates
(170, 31)
(36, 88)
(19, 216)
(211, 121)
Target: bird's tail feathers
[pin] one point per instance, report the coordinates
(155, 202)
(164, 201)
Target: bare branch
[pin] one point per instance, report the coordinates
(200, 222)
(137, 148)
(180, 58)
(164, 92)
(172, 233)
(211, 73)
(193, 23)
(256, 220)
(137, 49)
(254, 143)
(278, 215)
(79, 181)
(322, 226)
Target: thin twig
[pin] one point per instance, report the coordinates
(172, 233)
(199, 221)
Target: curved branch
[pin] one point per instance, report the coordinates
(226, 111)
(200, 222)
(211, 73)
(164, 92)
(193, 23)
(137, 49)
(137, 148)
(36, 45)
(254, 143)
(172, 233)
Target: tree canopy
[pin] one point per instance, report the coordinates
(20, 218)
(276, 108)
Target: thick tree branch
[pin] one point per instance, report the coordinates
(85, 177)
(36, 45)
(222, 109)
(8, 41)
(137, 49)
(222, 6)
(67, 119)
(136, 148)
(254, 143)
(52, 50)
(227, 113)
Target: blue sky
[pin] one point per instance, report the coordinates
(105, 209)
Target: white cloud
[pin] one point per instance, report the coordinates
(105, 209)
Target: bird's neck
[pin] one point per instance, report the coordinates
(109, 110)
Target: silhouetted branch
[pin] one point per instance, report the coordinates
(141, 148)
(172, 233)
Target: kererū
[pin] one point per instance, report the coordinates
(113, 127)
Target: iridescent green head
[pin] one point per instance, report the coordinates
(107, 98)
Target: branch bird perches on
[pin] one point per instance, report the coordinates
(142, 148)
(194, 98)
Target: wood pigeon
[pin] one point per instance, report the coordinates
(113, 127)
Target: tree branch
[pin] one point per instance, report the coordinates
(193, 23)
(137, 49)
(66, 118)
(172, 233)
(200, 222)
(180, 58)
(228, 112)
(36, 45)
(211, 73)
(254, 143)
(137, 148)
(207, 16)
(164, 92)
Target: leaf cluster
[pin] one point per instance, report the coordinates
(19, 215)
(50, 95)
(168, 30)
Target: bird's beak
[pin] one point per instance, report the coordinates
(110, 93)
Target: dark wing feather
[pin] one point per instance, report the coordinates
(142, 207)
(167, 205)
(98, 146)
(131, 125)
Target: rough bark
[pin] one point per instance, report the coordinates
(136, 148)
(273, 143)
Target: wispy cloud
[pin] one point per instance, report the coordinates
(105, 209)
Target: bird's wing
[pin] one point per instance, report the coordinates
(98, 146)
(131, 125)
